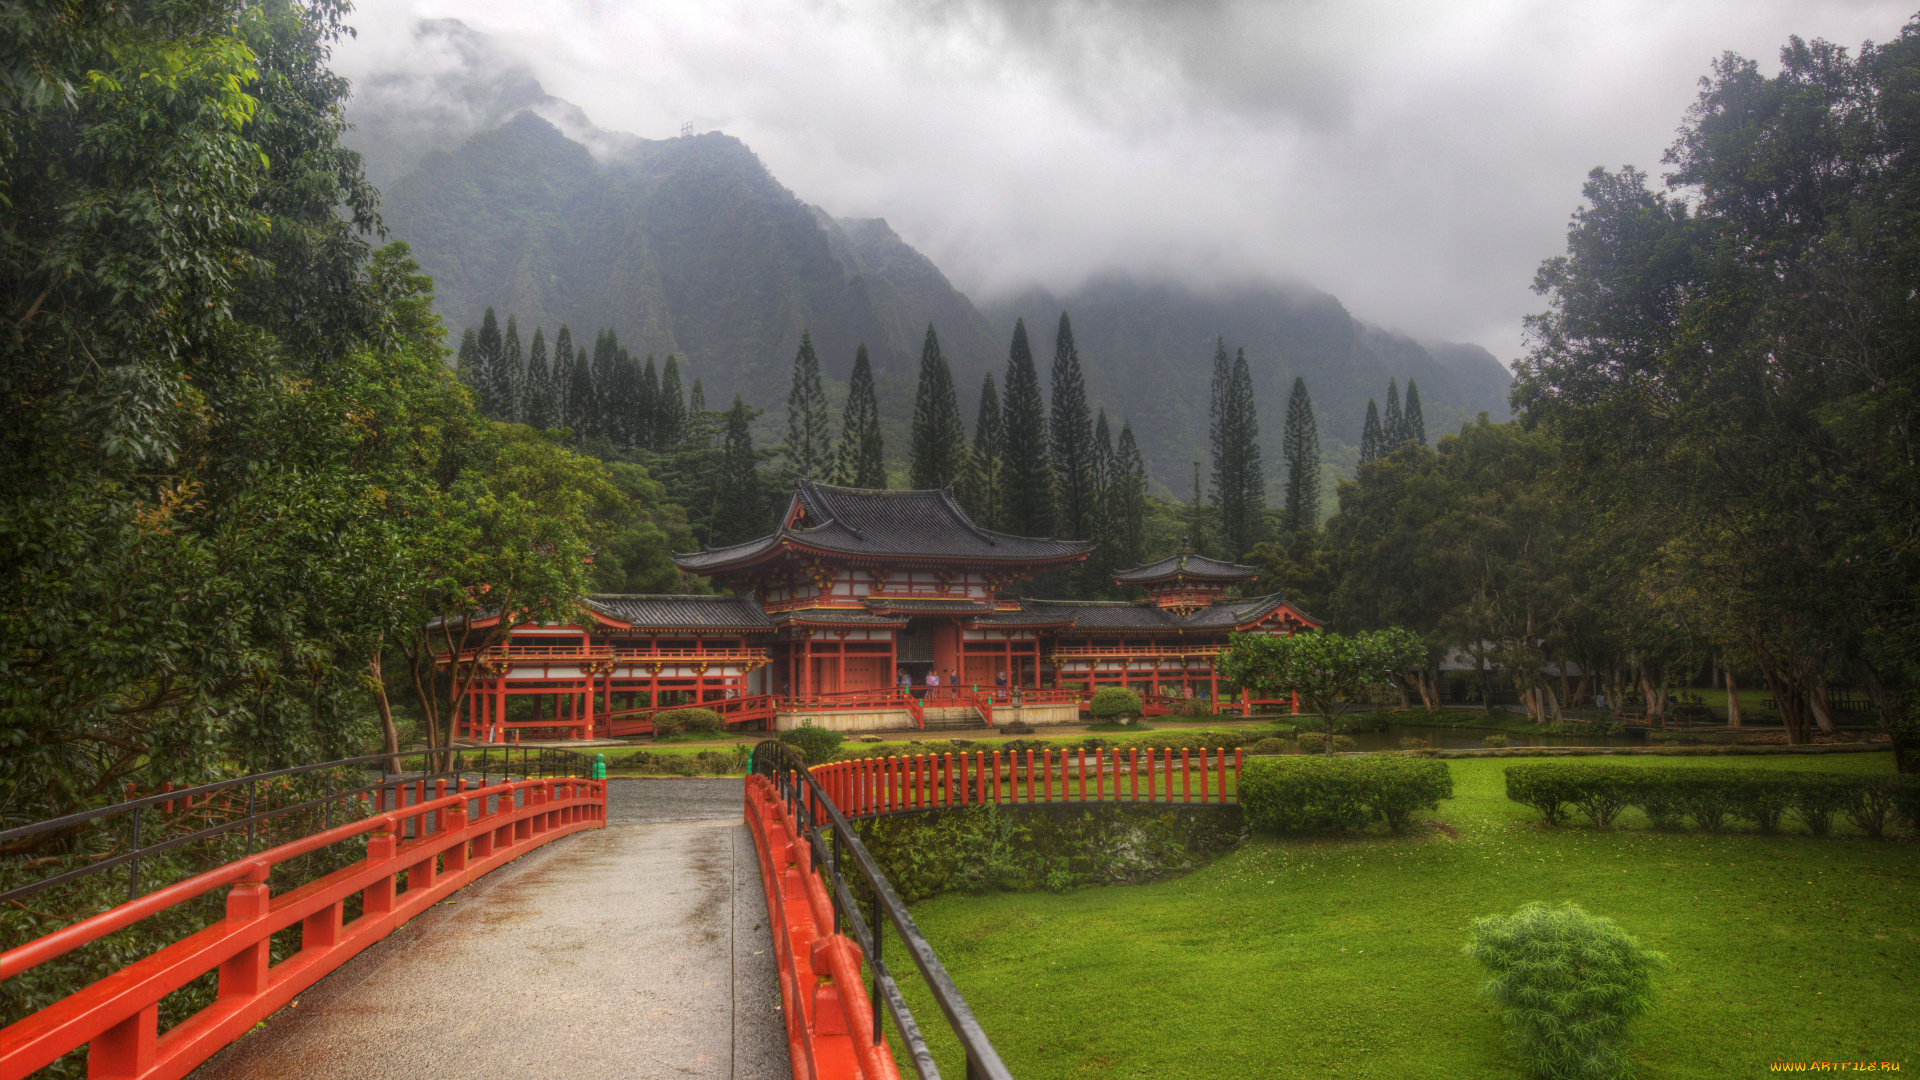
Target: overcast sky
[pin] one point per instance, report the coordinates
(1416, 160)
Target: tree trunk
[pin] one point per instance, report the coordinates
(1906, 746)
(1566, 690)
(1584, 691)
(1733, 699)
(1788, 694)
(391, 740)
(1817, 704)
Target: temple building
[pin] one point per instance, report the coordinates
(866, 610)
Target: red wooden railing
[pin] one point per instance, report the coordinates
(829, 1017)
(608, 652)
(860, 699)
(734, 712)
(867, 786)
(117, 1018)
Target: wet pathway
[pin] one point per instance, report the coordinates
(636, 951)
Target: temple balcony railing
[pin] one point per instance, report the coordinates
(603, 654)
(1136, 652)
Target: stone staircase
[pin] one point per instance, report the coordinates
(954, 718)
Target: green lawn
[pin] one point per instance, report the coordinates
(1330, 957)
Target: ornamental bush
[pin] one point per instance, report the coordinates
(1113, 702)
(816, 746)
(1343, 744)
(688, 722)
(1288, 793)
(1567, 983)
(1269, 746)
(1711, 797)
(1312, 742)
(1495, 742)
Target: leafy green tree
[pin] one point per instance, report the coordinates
(1373, 438)
(1328, 670)
(980, 488)
(1411, 418)
(1239, 485)
(809, 428)
(540, 405)
(1070, 437)
(862, 460)
(937, 441)
(1029, 459)
(1300, 449)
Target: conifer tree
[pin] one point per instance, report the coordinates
(582, 401)
(562, 379)
(1393, 425)
(861, 460)
(1071, 438)
(696, 401)
(739, 504)
(539, 398)
(1127, 499)
(467, 363)
(646, 411)
(488, 342)
(1239, 483)
(980, 490)
(1411, 418)
(1373, 440)
(623, 418)
(1103, 560)
(1197, 514)
(937, 441)
(670, 408)
(605, 347)
(1300, 449)
(1028, 474)
(809, 428)
(508, 377)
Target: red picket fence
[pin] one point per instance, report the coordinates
(829, 1017)
(868, 786)
(117, 1018)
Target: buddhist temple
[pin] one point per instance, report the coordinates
(866, 610)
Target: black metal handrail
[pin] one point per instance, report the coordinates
(535, 763)
(834, 842)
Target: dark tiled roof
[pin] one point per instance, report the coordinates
(836, 617)
(1188, 565)
(894, 524)
(1023, 618)
(673, 612)
(916, 603)
(1107, 614)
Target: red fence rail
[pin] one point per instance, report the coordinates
(865, 787)
(734, 712)
(473, 830)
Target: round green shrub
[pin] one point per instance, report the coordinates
(816, 746)
(1567, 984)
(1495, 742)
(1285, 793)
(1343, 744)
(1313, 742)
(1413, 742)
(1114, 702)
(688, 722)
(1268, 746)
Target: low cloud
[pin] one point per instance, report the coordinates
(1417, 161)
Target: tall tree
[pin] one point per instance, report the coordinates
(467, 361)
(646, 410)
(488, 342)
(670, 413)
(937, 441)
(1300, 449)
(540, 397)
(1394, 424)
(1104, 559)
(980, 491)
(507, 379)
(862, 461)
(1239, 483)
(606, 347)
(1372, 438)
(1411, 418)
(1071, 437)
(809, 428)
(696, 402)
(1196, 514)
(739, 504)
(564, 411)
(1127, 499)
(1028, 475)
(623, 419)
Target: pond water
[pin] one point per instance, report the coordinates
(1472, 738)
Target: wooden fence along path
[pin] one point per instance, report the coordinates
(865, 787)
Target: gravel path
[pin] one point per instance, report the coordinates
(636, 951)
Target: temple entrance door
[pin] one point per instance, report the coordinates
(864, 673)
(825, 675)
(979, 671)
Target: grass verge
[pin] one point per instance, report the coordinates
(1342, 956)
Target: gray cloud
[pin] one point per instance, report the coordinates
(1417, 160)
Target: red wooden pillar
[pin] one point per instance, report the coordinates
(588, 728)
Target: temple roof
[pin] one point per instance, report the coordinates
(1118, 615)
(926, 525)
(824, 616)
(677, 612)
(1187, 565)
(930, 604)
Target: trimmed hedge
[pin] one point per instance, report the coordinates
(1286, 793)
(688, 722)
(816, 746)
(1712, 797)
(1114, 701)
